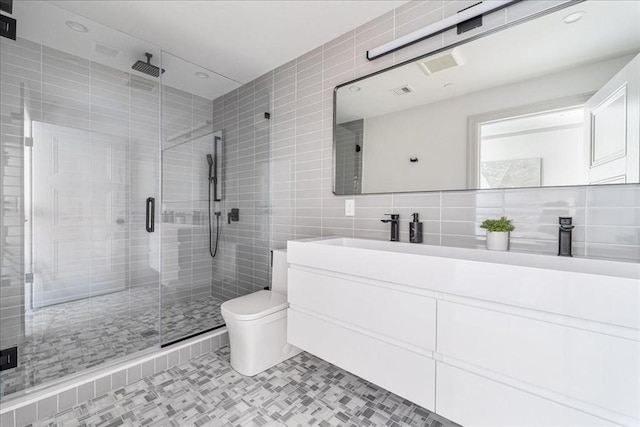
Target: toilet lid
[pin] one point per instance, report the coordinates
(254, 306)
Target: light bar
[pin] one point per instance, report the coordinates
(474, 11)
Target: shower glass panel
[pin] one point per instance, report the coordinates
(195, 283)
(80, 155)
(92, 272)
(188, 135)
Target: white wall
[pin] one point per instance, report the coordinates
(437, 133)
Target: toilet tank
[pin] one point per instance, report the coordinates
(279, 271)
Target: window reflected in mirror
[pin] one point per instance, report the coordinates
(544, 148)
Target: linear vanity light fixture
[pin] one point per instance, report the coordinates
(478, 9)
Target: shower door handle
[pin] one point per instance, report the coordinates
(151, 212)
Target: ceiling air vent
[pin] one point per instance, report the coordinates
(439, 62)
(403, 90)
(105, 50)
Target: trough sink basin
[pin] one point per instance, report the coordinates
(599, 290)
(581, 265)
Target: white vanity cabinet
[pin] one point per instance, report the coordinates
(384, 334)
(541, 370)
(480, 338)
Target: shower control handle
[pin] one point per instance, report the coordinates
(234, 215)
(151, 213)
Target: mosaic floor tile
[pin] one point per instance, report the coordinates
(302, 391)
(67, 338)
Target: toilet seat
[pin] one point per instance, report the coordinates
(254, 306)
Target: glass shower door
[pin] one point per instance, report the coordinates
(80, 156)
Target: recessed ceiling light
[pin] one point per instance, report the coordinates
(76, 26)
(202, 75)
(573, 17)
(354, 88)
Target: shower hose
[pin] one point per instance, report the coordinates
(213, 251)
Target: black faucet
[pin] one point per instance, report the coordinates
(395, 226)
(564, 236)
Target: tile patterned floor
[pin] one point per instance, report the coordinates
(302, 391)
(67, 338)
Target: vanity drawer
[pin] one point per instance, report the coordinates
(393, 313)
(596, 368)
(403, 372)
(473, 400)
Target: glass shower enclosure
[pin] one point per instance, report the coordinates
(105, 240)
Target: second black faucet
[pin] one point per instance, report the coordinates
(395, 226)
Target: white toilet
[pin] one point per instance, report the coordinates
(257, 324)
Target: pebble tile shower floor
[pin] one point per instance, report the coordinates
(67, 338)
(302, 391)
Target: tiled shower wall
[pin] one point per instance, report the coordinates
(302, 202)
(243, 261)
(186, 260)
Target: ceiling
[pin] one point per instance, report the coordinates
(241, 40)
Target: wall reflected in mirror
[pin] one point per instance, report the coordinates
(542, 103)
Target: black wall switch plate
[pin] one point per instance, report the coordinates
(7, 27)
(8, 358)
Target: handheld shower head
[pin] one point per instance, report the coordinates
(210, 161)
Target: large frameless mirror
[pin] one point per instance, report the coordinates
(552, 101)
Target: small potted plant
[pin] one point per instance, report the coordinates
(498, 233)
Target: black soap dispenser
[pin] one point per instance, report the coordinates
(415, 230)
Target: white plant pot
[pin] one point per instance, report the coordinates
(498, 240)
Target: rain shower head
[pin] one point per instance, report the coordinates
(146, 67)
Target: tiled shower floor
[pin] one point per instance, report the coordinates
(302, 391)
(67, 338)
